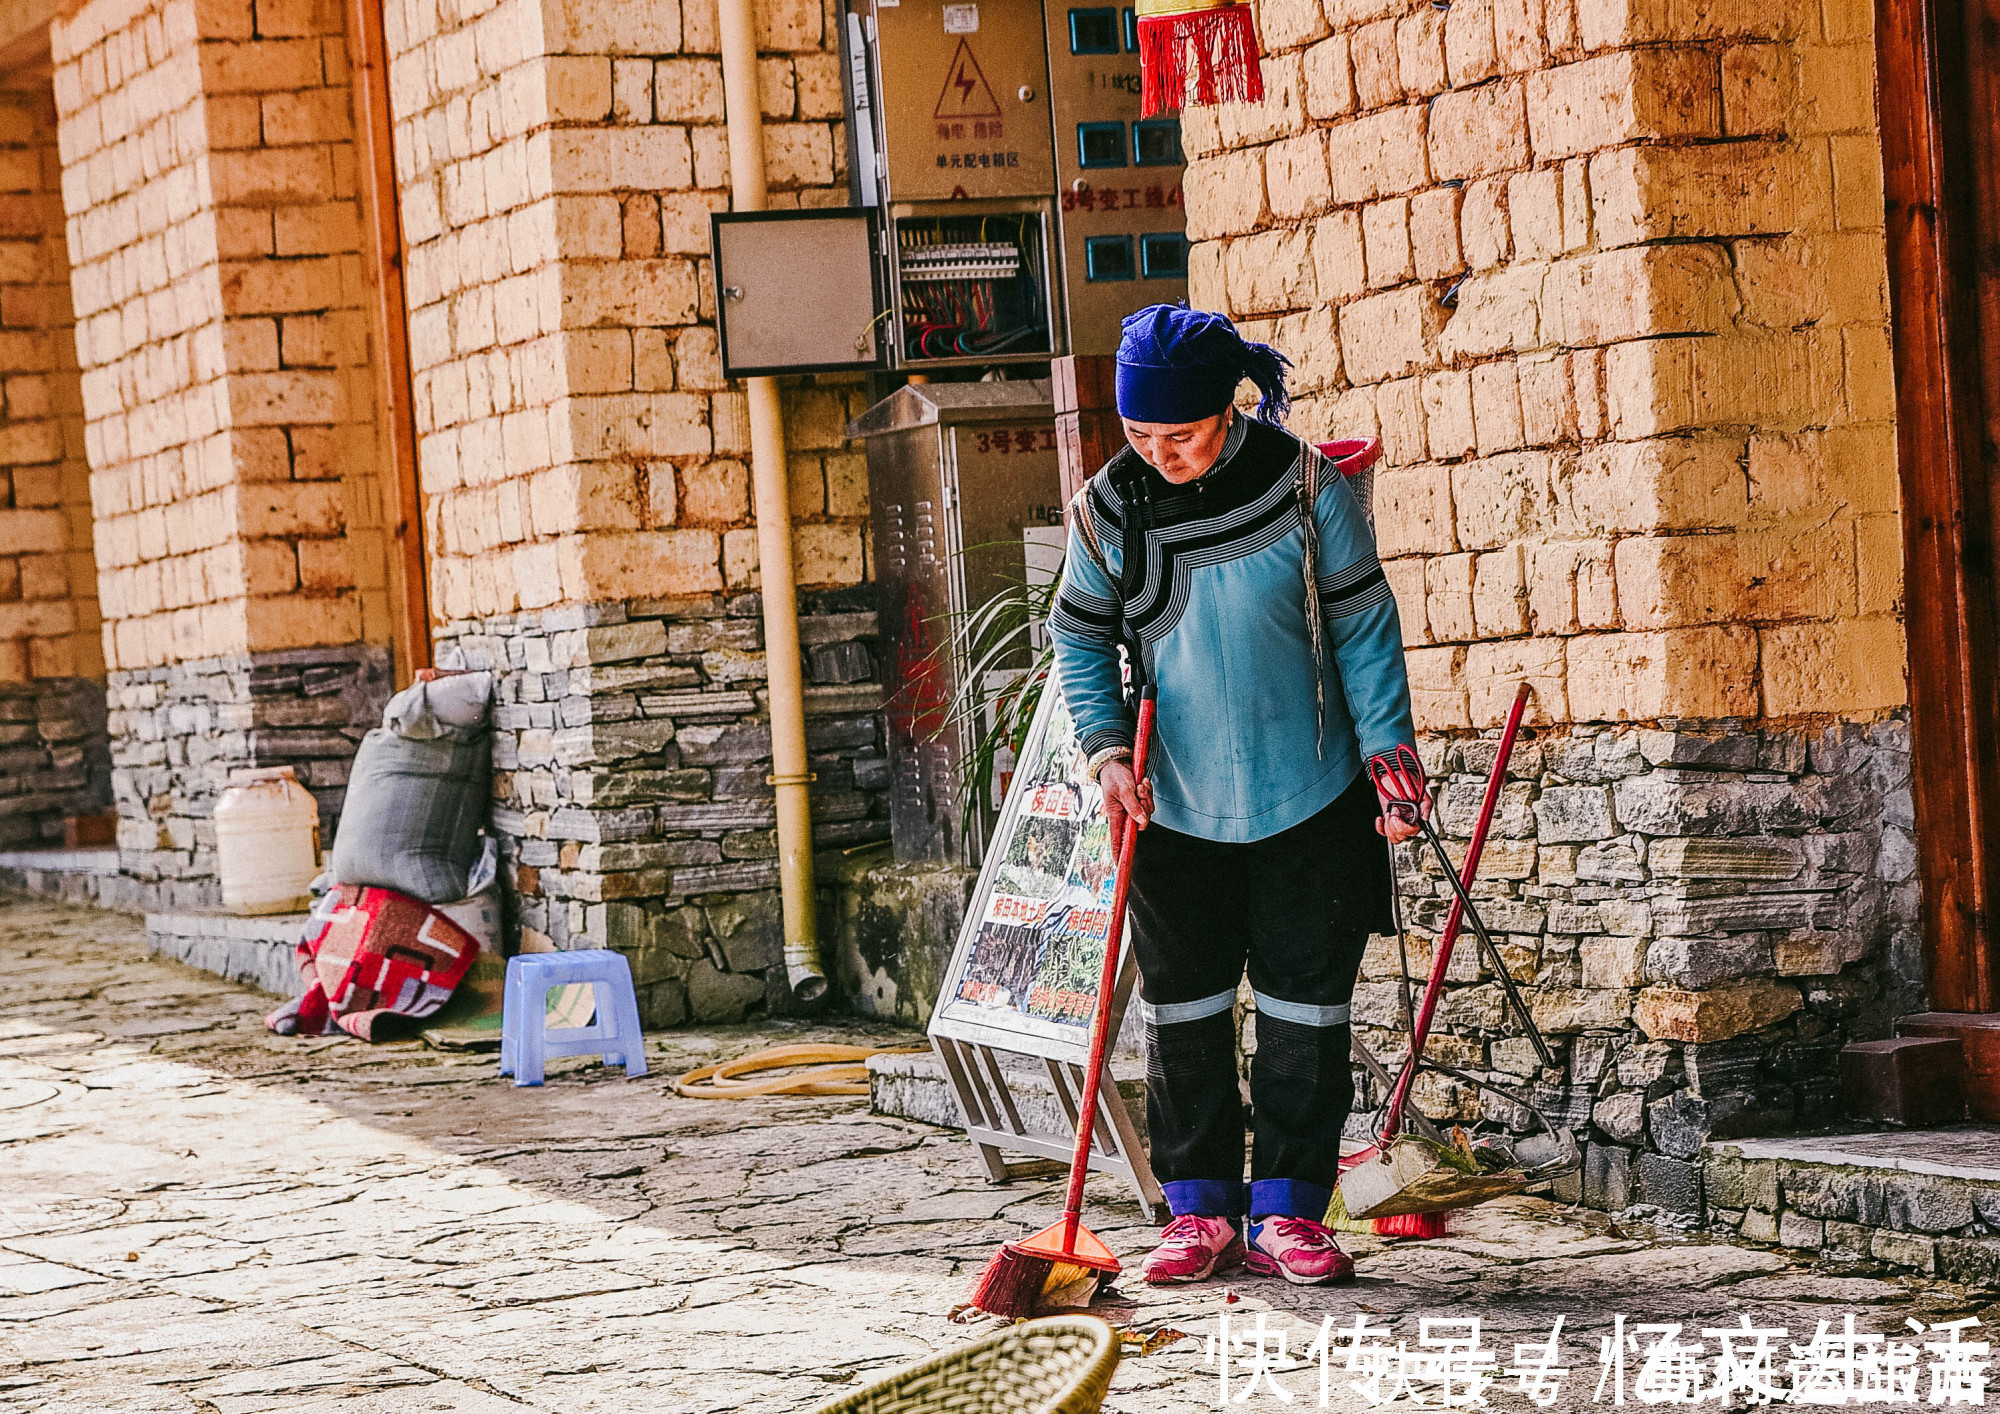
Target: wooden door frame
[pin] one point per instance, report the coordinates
(1937, 95)
(402, 503)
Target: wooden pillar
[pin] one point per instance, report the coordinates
(403, 507)
(1088, 432)
(1940, 104)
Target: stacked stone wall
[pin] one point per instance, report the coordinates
(631, 749)
(1895, 1209)
(54, 759)
(1608, 282)
(179, 730)
(1700, 919)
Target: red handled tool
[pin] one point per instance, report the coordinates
(1406, 1179)
(1462, 881)
(1066, 1252)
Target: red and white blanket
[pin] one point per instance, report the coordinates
(374, 963)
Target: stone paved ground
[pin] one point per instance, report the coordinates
(197, 1216)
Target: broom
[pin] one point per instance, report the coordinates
(1066, 1254)
(1441, 959)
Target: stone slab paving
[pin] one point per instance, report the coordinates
(196, 1216)
(1968, 1151)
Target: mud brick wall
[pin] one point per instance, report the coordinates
(630, 752)
(53, 756)
(48, 576)
(1608, 281)
(177, 732)
(228, 400)
(208, 176)
(558, 164)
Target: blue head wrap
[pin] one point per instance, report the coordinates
(1182, 365)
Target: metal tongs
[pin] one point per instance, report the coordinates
(1402, 1174)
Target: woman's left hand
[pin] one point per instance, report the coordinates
(1398, 826)
(1405, 794)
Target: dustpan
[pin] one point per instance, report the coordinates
(1411, 1174)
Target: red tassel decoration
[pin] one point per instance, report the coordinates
(1216, 48)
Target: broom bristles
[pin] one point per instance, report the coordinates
(1011, 1284)
(1420, 1225)
(1337, 1219)
(1064, 1273)
(1410, 1225)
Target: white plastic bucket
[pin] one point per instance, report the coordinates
(267, 842)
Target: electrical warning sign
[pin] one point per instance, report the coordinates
(966, 93)
(964, 111)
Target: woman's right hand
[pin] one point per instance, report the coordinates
(1124, 795)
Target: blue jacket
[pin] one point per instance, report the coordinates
(1216, 604)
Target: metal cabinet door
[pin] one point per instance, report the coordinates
(795, 291)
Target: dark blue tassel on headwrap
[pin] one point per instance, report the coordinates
(1182, 365)
(1265, 366)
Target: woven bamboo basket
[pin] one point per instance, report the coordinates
(1058, 1365)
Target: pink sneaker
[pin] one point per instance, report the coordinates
(1191, 1249)
(1299, 1250)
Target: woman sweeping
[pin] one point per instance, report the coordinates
(1231, 564)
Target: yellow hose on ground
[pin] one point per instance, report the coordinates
(829, 1070)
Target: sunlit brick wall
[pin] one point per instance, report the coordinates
(48, 578)
(208, 173)
(1608, 280)
(558, 164)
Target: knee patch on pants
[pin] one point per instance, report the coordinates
(1315, 1054)
(1191, 1048)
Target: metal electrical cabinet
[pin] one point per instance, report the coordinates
(951, 100)
(1010, 207)
(956, 473)
(1122, 223)
(1011, 204)
(1025, 206)
(768, 320)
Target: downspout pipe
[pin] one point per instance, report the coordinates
(743, 114)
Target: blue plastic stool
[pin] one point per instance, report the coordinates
(526, 1042)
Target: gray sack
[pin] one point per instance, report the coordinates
(420, 791)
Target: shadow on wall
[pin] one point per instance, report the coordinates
(55, 758)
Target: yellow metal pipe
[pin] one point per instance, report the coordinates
(744, 117)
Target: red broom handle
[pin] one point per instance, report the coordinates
(1107, 981)
(1434, 988)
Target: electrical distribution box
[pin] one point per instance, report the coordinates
(1025, 208)
(1021, 207)
(957, 472)
(952, 98)
(1118, 176)
(770, 321)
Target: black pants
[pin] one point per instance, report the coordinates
(1297, 908)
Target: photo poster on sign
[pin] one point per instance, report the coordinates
(1024, 974)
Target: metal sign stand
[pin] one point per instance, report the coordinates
(993, 1118)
